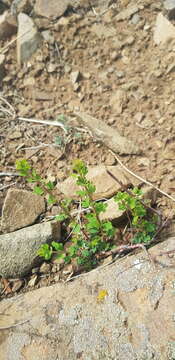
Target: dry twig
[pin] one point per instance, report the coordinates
(140, 178)
(14, 325)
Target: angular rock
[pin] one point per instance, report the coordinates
(118, 101)
(163, 31)
(112, 212)
(127, 13)
(21, 6)
(169, 4)
(28, 40)
(19, 249)
(126, 324)
(106, 186)
(21, 208)
(51, 9)
(8, 25)
(107, 135)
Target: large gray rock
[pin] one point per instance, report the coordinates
(122, 312)
(18, 250)
(28, 40)
(21, 208)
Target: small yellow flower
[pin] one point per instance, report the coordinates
(101, 295)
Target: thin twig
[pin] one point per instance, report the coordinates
(7, 186)
(8, 174)
(14, 325)
(51, 123)
(140, 178)
(12, 41)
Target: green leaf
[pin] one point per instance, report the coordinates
(79, 167)
(45, 251)
(59, 141)
(86, 203)
(38, 190)
(57, 246)
(100, 207)
(108, 228)
(50, 185)
(51, 200)
(23, 167)
(61, 217)
(81, 193)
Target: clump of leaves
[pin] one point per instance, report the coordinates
(143, 224)
(88, 234)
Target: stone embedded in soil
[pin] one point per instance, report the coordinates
(118, 101)
(21, 6)
(106, 186)
(19, 249)
(112, 212)
(169, 4)
(28, 40)
(8, 25)
(107, 135)
(164, 30)
(21, 208)
(127, 13)
(51, 9)
(126, 325)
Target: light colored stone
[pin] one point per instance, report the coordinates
(21, 208)
(112, 212)
(164, 30)
(106, 186)
(127, 13)
(118, 101)
(169, 4)
(51, 9)
(75, 76)
(19, 249)
(107, 135)
(73, 324)
(28, 40)
(21, 6)
(8, 25)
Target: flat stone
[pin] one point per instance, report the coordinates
(163, 31)
(75, 76)
(139, 301)
(107, 135)
(21, 6)
(21, 208)
(112, 212)
(51, 9)
(106, 186)
(127, 13)
(118, 101)
(28, 39)
(8, 25)
(169, 4)
(19, 249)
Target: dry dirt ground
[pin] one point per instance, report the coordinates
(110, 55)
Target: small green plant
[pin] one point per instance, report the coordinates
(142, 224)
(88, 234)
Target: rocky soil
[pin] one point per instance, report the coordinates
(112, 60)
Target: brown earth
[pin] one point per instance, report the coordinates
(110, 55)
